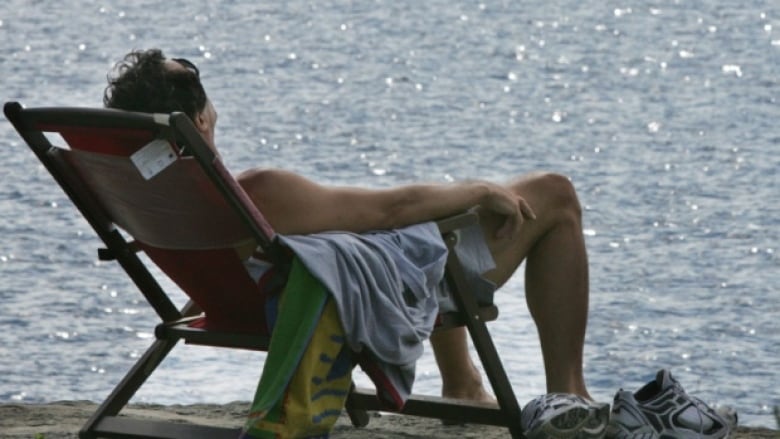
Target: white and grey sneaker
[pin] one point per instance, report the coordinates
(661, 409)
(564, 416)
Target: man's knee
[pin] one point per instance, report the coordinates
(558, 193)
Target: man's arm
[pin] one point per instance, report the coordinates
(295, 205)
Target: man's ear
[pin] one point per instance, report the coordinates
(200, 122)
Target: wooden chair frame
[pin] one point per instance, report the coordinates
(33, 124)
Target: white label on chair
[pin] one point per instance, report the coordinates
(153, 158)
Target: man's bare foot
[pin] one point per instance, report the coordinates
(478, 394)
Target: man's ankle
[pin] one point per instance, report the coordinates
(467, 389)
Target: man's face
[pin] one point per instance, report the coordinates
(207, 121)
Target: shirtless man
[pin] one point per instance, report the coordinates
(536, 218)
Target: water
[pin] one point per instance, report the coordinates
(664, 115)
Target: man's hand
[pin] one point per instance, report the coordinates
(509, 205)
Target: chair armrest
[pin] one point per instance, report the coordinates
(107, 254)
(458, 221)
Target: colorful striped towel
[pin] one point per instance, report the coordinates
(308, 370)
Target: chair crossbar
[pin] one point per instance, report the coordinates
(434, 407)
(127, 428)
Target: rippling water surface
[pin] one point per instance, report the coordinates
(664, 114)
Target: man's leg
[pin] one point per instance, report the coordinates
(460, 377)
(556, 283)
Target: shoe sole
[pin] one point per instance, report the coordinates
(647, 432)
(577, 423)
(618, 432)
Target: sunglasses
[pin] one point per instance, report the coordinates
(187, 64)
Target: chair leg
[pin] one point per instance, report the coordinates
(497, 376)
(125, 390)
(359, 417)
(483, 343)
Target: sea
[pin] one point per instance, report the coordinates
(664, 114)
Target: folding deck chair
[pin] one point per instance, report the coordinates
(101, 168)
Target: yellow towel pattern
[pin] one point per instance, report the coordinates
(315, 394)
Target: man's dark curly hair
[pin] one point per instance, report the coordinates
(140, 82)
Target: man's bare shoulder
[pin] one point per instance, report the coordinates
(261, 175)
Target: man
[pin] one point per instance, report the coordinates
(536, 218)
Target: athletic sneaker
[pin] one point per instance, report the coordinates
(564, 416)
(661, 409)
